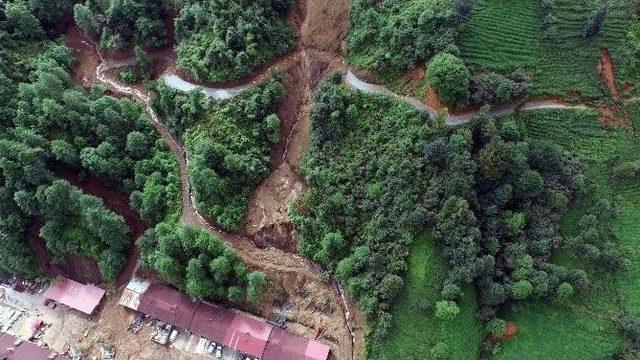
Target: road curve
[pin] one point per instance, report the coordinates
(355, 83)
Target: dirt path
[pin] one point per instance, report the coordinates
(293, 278)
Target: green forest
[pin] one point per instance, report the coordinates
(51, 128)
(224, 40)
(118, 24)
(477, 197)
(228, 144)
(50, 125)
(503, 51)
(495, 199)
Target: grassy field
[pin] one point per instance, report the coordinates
(585, 329)
(416, 331)
(502, 36)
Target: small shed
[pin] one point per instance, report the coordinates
(84, 298)
(132, 294)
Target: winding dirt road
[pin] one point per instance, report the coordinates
(311, 297)
(267, 240)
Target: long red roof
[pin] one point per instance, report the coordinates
(231, 328)
(75, 295)
(284, 345)
(25, 350)
(168, 305)
(211, 322)
(248, 335)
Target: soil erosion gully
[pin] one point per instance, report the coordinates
(270, 259)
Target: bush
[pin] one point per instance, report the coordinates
(564, 292)
(595, 24)
(627, 171)
(451, 291)
(440, 351)
(496, 327)
(447, 310)
(128, 76)
(631, 327)
(392, 36)
(224, 40)
(463, 8)
(450, 77)
(521, 290)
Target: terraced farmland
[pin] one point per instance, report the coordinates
(502, 36)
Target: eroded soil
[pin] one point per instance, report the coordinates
(292, 279)
(612, 115)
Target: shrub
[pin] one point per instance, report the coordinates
(463, 9)
(451, 291)
(521, 290)
(128, 76)
(496, 327)
(626, 171)
(447, 310)
(440, 351)
(631, 327)
(450, 77)
(564, 291)
(595, 24)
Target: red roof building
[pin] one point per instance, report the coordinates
(168, 305)
(75, 295)
(211, 322)
(224, 326)
(11, 348)
(284, 345)
(248, 335)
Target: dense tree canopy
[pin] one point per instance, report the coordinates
(50, 127)
(224, 40)
(449, 76)
(228, 144)
(193, 259)
(380, 173)
(121, 23)
(396, 35)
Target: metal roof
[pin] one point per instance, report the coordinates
(248, 335)
(211, 322)
(284, 345)
(138, 285)
(132, 294)
(78, 296)
(168, 305)
(24, 350)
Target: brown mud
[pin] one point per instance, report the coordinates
(74, 267)
(613, 115)
(292, 278)
(510, 332)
